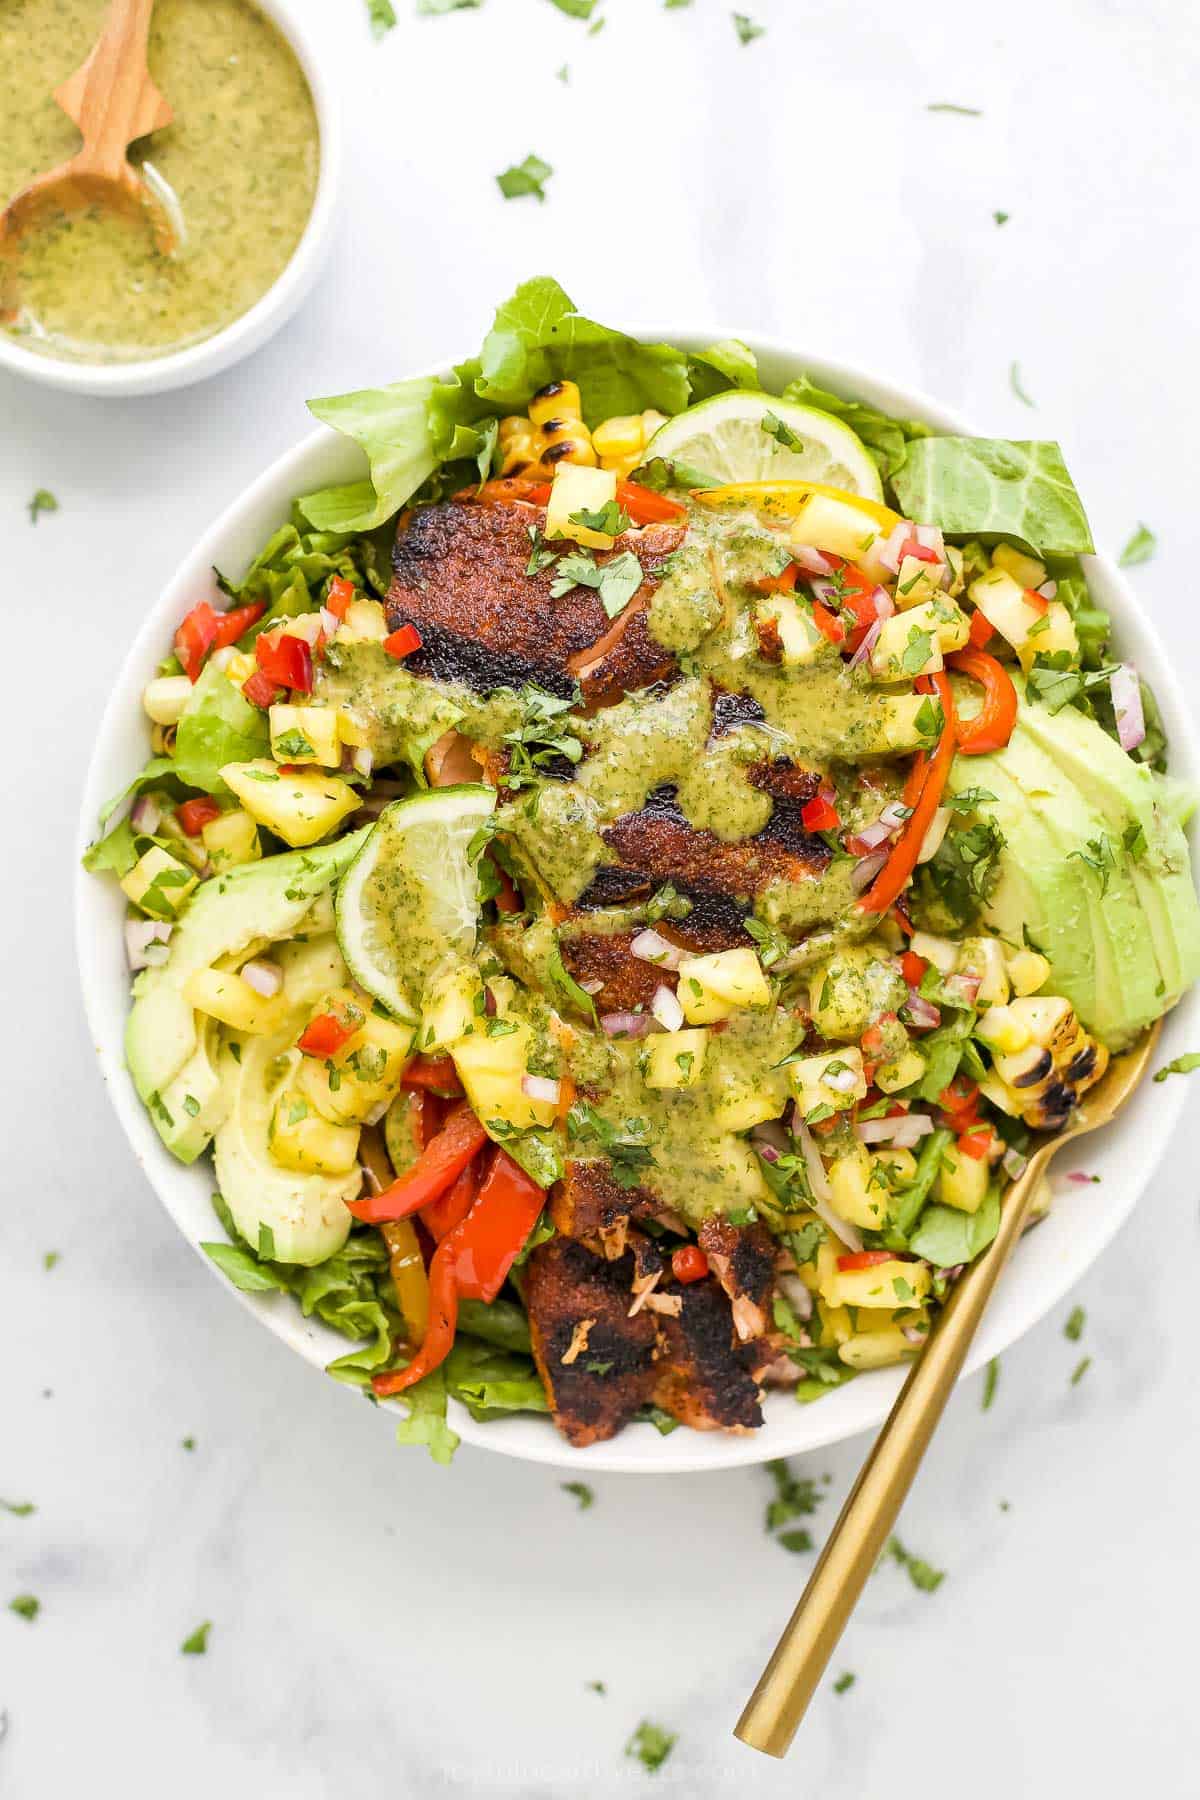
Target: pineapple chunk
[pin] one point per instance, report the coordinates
(892, 1283)
(1004, 604)
(711, 987)
(841, 527)
(227, 996)
(300, 1139)
(365, 622)
(893, 725)
(491, 1066)
(674, 1059)
(854, 1198)
(742, 1100)
(800, 641)
(298, 808)
(833, 1325)
(899, 1167)
(1055, 631)
(1026, 571)
(165, 698)
(311, 967)
(891, 1077)
(876, 1349)
(453, 1009)
(908, 645)
(306, 734)
(833, 1079)
(962, 1181)
(577, 489)
(158, 884)
(231, 840)
(918, 581)
(984, 956)
(364, 1074)
(1028, 970)
(941, 952)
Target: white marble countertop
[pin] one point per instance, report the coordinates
(382, 1625)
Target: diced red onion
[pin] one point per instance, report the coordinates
(1075, 1178)
(931, 843)
(797, 1295)
(363, 761)
(818, 1181)
(871, 837)
(593, 986)
(870, 639)
(1127, 705)
(650, 946)
(888, 553)
(885, 606)
(866, 869)
(146, 814)
(963, 986)
(811, 560)
(625, 1024)
(1048, 590)
(829, 593)
(266, 978)
(329, 621)
(540, 1087)
(221, 659)
(930, 538)
(895, 815)
(768, 1152)
(913, 1334)
(1013, 1163)
(146, 942)
(841, 1080)
(489, 1003)
(666, 1009)
(902, 1131)
(772, 1132)
(923, 1015)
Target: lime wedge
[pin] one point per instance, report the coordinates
(408, 905)
(744, 436)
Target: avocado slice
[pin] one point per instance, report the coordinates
(168, 1047)
(306, 1214)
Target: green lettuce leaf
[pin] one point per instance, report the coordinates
(502, 1324)
(990, 488)
(886, 438)
(218, 726)
(729, 363)
(490, 1381)
(426, 1421)
(391, 425)
(946, 1237)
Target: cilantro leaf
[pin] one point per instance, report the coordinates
(783, 434)
(1179, 1065)
(528, 177)
(1076, 1319)
(948, 106)
(43, 502)
(746, 29)
(197, 1643)
(922, 1574)
(1140, 548)
(651, 1744)
(583, 1493)
(26, 1606)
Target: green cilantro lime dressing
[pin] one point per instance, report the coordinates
(241, 158)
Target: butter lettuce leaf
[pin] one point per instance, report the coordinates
(218, 726)
(490, 1381)
(886, 438)
(726, 364)
(991, 488)
(392, 426)
(426, 1421)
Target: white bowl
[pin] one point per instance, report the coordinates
(1046, 1264)
(179, 368)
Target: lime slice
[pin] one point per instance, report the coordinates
(742, 436)
(409, 902)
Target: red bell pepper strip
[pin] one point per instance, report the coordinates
(194, 639)
(644, 507)
(285, 659)
(918, 551)
(783, 583)
(402, 643)
(892, 879)
(982, 630)
(993, 724)
(828, 624)
(326, 1034)
(436, 1073)
(689, 1264)
(864, 1259)
(235, 623)
(261, 691)
(439, 1333)
(451, 1208)
(819, 814)
(439, 1165)
(976, 1143)
(913, 967)
(489, 1239)
(960, 1103)
(1039, 602)
(194, 815)
(338, 596)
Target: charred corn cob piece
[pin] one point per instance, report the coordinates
(1043, 1058)
(621, 442)
(553, 433)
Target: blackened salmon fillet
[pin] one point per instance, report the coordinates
(705, 1377)
(459, 575)
(596, 1363)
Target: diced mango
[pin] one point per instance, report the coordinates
(917, 581)
(833, 1079)
(300, 808)
(711, 987)
(844, 528)
(1055, 632)
(962, 1181)
(577, 489)
(301, 1139)
(800, 642)
(306, 734)
(909, 1066)
(858, 1195)
(892, 1283)
(231, 840)
(365, 622)
(1005, 605)
(492, 1065)
(158, 884)
(674, 1059)
(1026, 571)
(453, 1009)
(227, 996)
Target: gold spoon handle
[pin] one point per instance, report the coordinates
(856, 1542)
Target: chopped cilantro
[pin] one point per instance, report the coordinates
(1140, 548)
(1076, 1320)
(191, 1105)
(990, 1383)
(651, 1744)
(51, 1259)
(43, 502)
(796, 1496)
(795, 1541)
(783, 434)
(948, 106)
(293, 744)
(922, 1574)
(746, 29)
(26, 1606)
(616, 581)
(844, 1682)
(20, 1509)
(1001, 218)
(667, 903)
(772, 945)
(1080, 1370)
(500, 1027)
(528, 177)
(187, 1443)
(582, 1492)
(608, 518)
(541, 555)
(197, 1643)
(596, 1687)
(382, 16)
(1179, 1065)
(575, 9)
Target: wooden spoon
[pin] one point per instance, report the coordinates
(856, 1542)
(113, 101)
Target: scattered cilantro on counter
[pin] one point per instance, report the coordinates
(746, 29)
(1080, 1370)
(651, 1744)
(948, 106)
(923, 1575)
(1073, 1328)
(844, 1682)
(990, 1383)
(438, 8)
(187, 1443)
(1001, 218)
(1179, 1065)
(575, 9)
(796, 1497)
(1014, 382)
(197, 1643)
(596, 1687)
(1140, 548)
(583, 1493)
(381, 15)
(795, 1541)
(43, 502)
(528, 177)
(26, 1606)
(20, 1509)
(50, 1259)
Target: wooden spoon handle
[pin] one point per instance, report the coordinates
(111, 96)
(856, 1542)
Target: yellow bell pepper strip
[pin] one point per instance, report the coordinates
(783, 499)
(892, 879)
(405, 1262)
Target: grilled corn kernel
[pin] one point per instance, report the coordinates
(1003, 1029)
(557, 400)
(165, 697)
(520, 444)
(621, 442)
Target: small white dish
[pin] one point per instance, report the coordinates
(179, 368)
(1047, 1263)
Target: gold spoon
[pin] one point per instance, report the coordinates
(856, 1542)
(112, 99)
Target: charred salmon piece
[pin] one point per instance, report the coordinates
(626, 658)
(458, 575)
(742, 1257)
(629, 981)
(596, 1363)
(590, 1205)
(705, 1377)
